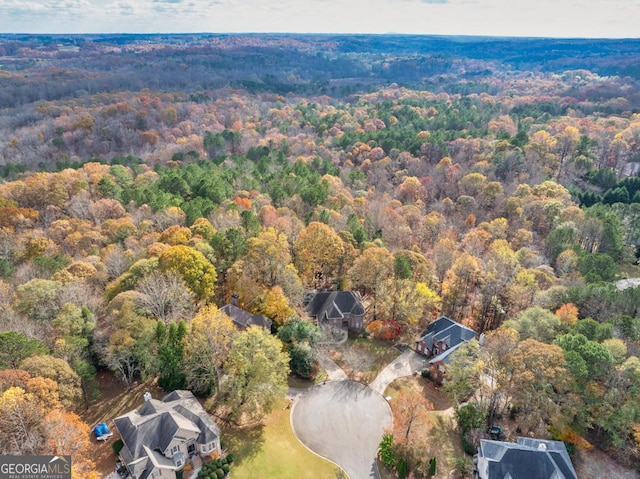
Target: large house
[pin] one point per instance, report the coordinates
(339, 309)
(161, 437)
(243, 319)
(525, 459)
(441, 338)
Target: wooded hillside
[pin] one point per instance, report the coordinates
(147, 179)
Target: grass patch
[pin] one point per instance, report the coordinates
(363, 358)
(272, 451)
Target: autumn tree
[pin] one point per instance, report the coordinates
(276, 306)
(407, 302)
(38, 299)
(69, 383)
(410, 414)
(198, 274)
(67, 434)
(128, 349)
(20, 422)
(369, 272)
(257, 370)
(267, 256)
(543, 390)
(206, 349)
(318, 251)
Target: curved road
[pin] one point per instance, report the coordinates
(343, 420)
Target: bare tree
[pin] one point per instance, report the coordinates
(165, 296)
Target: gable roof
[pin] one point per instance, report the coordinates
(243, 319)
(334, 305)
(527, 459)
(155, 460)
(451, 332)
(154, 425)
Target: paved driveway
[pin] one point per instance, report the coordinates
(406, 364)
(343, 421)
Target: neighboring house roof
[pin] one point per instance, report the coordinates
(335, 305)
(243, 319)
(149, 430)
(526, 459)
(446, 330)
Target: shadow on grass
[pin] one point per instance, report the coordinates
(244, 444)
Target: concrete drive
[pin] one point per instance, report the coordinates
(343, 421)
(406, 364)
(334, 372)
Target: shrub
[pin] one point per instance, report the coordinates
(385, 451)
(219, 473)
(432, 467)
(225, 468)
(117, 446)
(387, 330)
(229, 458)
(402, 468)
(471, 416)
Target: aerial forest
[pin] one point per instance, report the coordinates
(145, 180)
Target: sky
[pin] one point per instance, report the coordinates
(537, 18)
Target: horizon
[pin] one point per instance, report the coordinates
(327, 34)
(561, 19)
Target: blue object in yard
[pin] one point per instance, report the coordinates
(101, 429)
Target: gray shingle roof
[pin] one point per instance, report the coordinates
(451, 332)
(335, 304)
(243, 319)
(154, 425)
(527, 459)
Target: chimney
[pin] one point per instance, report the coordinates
(234, 299)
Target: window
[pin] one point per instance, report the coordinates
(175, 449)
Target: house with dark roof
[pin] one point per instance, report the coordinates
(243, 319)
(161, 437)
(527, 458)
(339, 309)
(441, 338)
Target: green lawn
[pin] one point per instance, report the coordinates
(273, 452)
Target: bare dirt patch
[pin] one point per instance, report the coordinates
(596, 464)
(114, 400)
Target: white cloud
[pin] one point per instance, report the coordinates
(559, 18)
